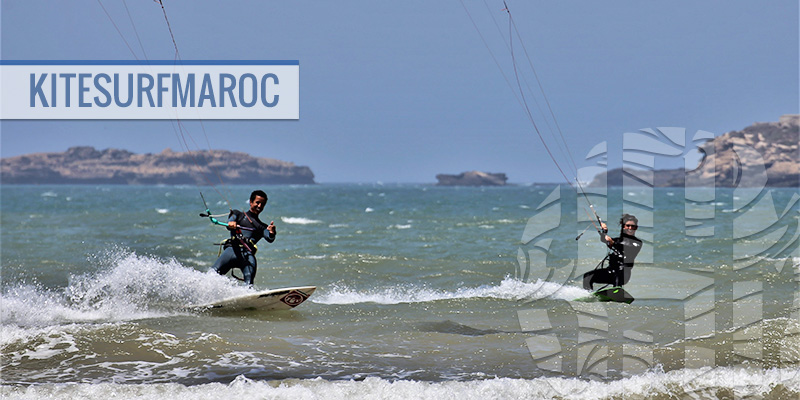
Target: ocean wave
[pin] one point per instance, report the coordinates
(299, 221)
(725, 382)
(508, 289)
(313, 257)
(24, 344)
(95, 349)
(125, 287)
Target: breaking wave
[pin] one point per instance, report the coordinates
(699, 383)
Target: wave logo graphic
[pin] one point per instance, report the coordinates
(741, 311)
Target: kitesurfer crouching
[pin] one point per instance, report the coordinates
(240, 249)
(620, 261)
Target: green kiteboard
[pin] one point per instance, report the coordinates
(615, 293)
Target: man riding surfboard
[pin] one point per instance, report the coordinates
(246, 230)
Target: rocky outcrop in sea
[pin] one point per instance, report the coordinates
(84, 164)
(762, 154)
(472, 178)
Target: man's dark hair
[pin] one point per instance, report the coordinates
(258, 193)
(627, 218)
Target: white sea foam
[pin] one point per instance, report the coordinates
(508, 289)
(162, 210)
(130, 287)
(299, 221)
(50, 340)
(691, 383)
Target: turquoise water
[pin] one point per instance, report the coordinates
(422, 291)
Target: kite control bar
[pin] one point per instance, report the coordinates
(213, 217)
(236, 233)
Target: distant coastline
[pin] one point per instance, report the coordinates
(87, 165)
(774, 151)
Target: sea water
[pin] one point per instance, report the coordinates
(423, 292)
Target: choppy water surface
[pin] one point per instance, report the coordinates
(422, 292)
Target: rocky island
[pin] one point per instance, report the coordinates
(735, 159)
(87, 165)
(472, 178)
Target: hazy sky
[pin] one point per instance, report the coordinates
(400, 91)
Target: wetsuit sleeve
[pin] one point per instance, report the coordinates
(268, 236)
(603, 233)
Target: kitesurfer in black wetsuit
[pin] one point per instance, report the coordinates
(625, 248)
(240, 249)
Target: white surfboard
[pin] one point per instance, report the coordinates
(267, 300)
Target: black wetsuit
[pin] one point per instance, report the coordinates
(238, 255)
(618, 271)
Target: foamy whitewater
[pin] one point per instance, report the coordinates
(423, 292)
(508, 289)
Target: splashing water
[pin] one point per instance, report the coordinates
(508, 289)
(126, 286)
